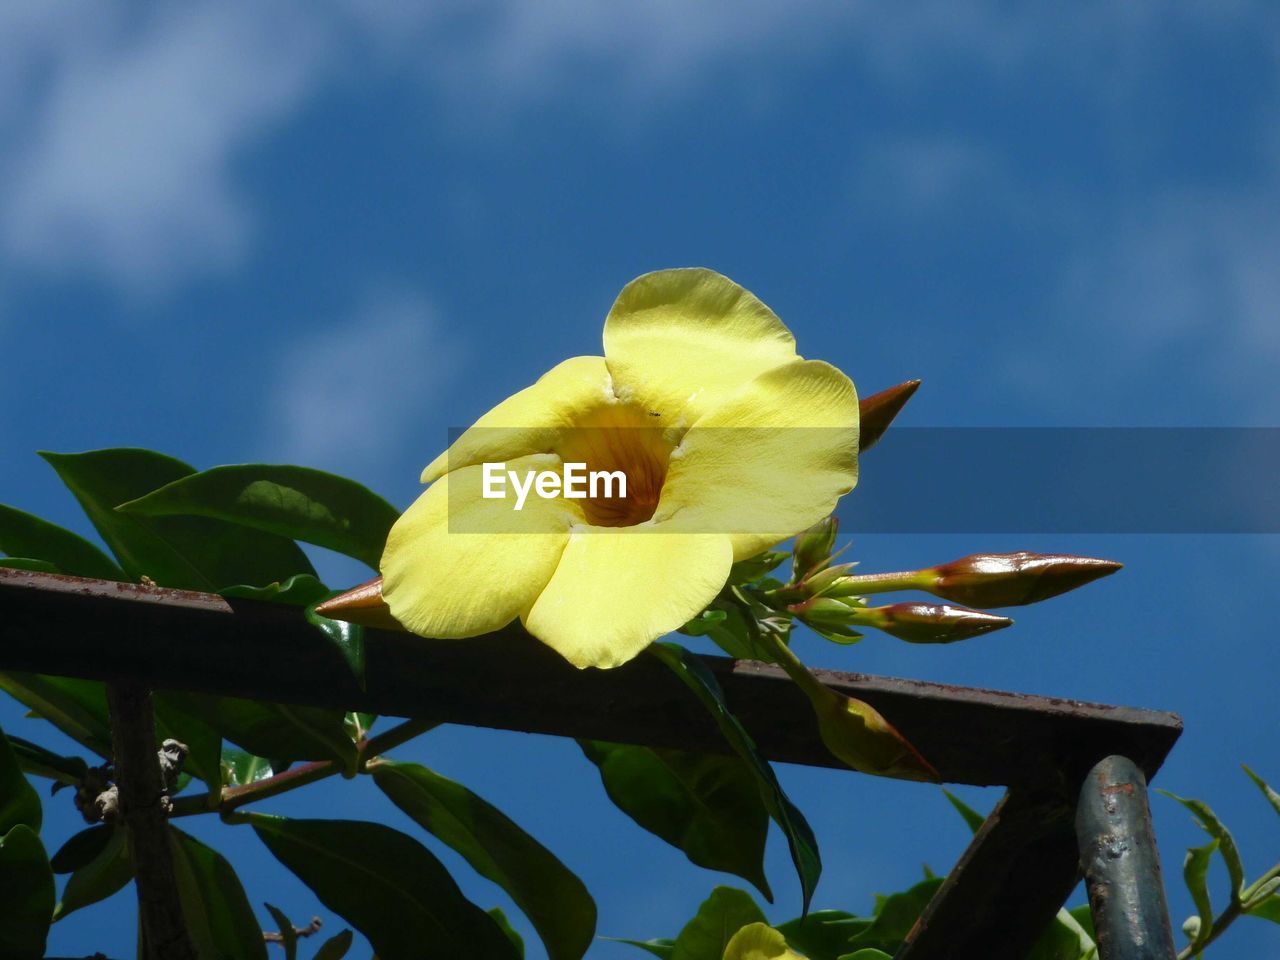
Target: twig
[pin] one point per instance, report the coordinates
(143, 803)
(312, 928)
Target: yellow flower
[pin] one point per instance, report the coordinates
(729, 441)
(759, 941)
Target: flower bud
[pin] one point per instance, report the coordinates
(877, 411)
(813, 548)
(363, 605)
(822, 612)
(935, 623)
(1014, 579)
(829, 582)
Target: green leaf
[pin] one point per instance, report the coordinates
(109, 869)
(896, 916)
(1227, 848)
(217, 912)
(386, 885)
(26, 535)
(76, 707)
(824, 934)
(19, 802)
(744, 571)
(1268, 909)
(1273, 798)
(719, 917)
(705, 805)
(276, 730)
(295, 502)
(1064, 939)
(195, 553)
(800, 839)
(26, 895)
(972, 817)
(288, 932)
(27, 563)
(867, 953)
(1195, 871)
(660, 947)
(501, 920)
(298, 591)
(554, 900)
(35, 759)
(336, 947)
(239, 767)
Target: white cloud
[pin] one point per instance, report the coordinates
(354, 392)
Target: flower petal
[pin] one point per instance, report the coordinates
(678, 342)
(769, 462)
(459, 565)
(530, 421)
(617, 589)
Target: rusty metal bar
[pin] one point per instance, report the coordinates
(1122, 865)
(1005, 889)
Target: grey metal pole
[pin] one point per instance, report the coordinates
(1121, 865)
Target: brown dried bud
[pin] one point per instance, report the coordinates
(877, 411)
(363, 605)
(935, 623)
(1014, 579)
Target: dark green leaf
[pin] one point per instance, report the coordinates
(719, 917)
(1063, 939)
(336, 947)
(800, 839)
(27, 563)
(896, 916)
(288, 933)
(76, 707)
(26, 895)
(972, 817)
(19, 802)
(26, 535)
(195, 553)
(109, 869)
(501, 920)
(708, 806)
(80, 849)
(1273, 798)
(35, 759)
(554, 900)
(347, 638)
(824, 934)
(386, 885)
(1226, 843)
(661, 947)
(867, 953)
(295, 502)
(216, 910)
(1083, 915)
(279, 731)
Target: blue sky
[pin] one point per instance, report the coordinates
(326, 233)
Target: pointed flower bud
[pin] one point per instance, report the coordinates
(877, 411)
(813, 548)
(831, 582)
(362, 605)
(823, 612)
(934, 622)
(856, 733)
(1014, 579)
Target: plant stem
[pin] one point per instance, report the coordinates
(232, 798)
(141, 791)
(1229, 915)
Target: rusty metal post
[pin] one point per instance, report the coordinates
(1121, 865)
